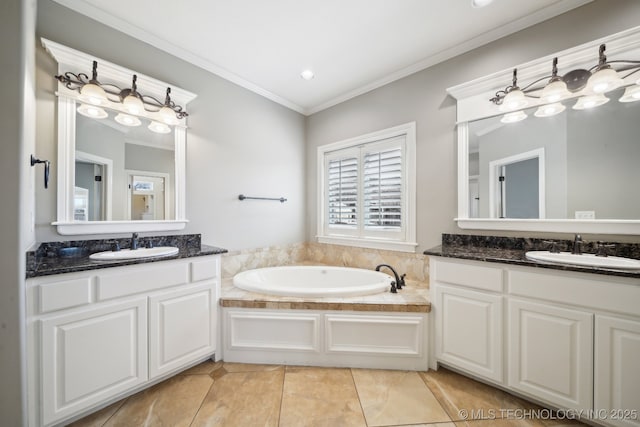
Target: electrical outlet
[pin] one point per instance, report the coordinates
(585, 214)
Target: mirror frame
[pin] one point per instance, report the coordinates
(473, 104)
(78, 62)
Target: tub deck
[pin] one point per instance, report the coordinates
(413, 298)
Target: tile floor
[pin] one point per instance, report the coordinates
(239, 395)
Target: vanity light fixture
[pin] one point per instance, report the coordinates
(549, 110)
(631, 94)
(92, 111)
(128, 99)
(127, 120)
(590, 85)
(158, 127)
(590, 101)
(514, 117)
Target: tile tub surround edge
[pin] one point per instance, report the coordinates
(412, 299)
(46, 259)
(511, 250)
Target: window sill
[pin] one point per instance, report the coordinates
(369, 243)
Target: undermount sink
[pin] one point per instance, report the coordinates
(134, 254)
(587, 260)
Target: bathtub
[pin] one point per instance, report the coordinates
(313, 281)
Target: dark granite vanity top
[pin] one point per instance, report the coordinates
(511, 250)
(71, 256)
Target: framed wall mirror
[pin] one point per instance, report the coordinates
(575, 171)
(114, 173)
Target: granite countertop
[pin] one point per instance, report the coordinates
(511, 250)
(413, 298)
(48, 258)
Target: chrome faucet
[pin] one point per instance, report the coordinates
(577, 245)
(399, 283)
(134, 241)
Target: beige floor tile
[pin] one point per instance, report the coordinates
(173, 402)
(204, 368)
(250, 367)
(99, 418)
(320, 397)
(243, 399)
(449, 424)
(396, 397)
(464, 398)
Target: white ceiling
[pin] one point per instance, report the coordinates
(352, 46)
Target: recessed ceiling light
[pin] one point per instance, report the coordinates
(307, 74)
(480, 3)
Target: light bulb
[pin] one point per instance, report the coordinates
(554, 92)
(93, 94)
(549, 110)
(590, 101)
(604, 80)
(133, 105)
(168, 116)
(127, 120)
(631, 94)
(92, 111)
(513, 117)
(514, 100)
(158, 127)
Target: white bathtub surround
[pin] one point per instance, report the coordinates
(384, 330)
(416, 266)
(313, 281)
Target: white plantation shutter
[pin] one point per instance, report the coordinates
(342, 195)
(367, 190)
(382, 189)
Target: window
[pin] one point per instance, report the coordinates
(367, 190)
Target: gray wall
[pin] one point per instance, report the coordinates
(422, 97)
(516, 138)
(603, 169)
(17, 27)
(238, 141)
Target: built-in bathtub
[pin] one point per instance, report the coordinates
(308, 315)
(313, 281)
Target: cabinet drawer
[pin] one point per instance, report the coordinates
(64, 294)
(571, 288)
(137, 279)
(470, 275)
(205, 268)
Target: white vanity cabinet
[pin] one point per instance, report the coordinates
(95, 336)
(550, 353)
(617, 369)
(569, 339)
(469, 314)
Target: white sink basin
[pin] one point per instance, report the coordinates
(138, 253)
(587, 260)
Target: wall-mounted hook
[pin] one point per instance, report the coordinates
(47, 165)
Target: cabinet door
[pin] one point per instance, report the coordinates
(550, 353)
(181, 327)
(469, 330)
(90, 355)
(617, 363)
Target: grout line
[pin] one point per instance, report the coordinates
(364, 415)
(444, 395)
(284, 376)
(123, 401)
(213, 381)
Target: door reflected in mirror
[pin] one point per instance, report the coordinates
(123, 172)
(579, 164)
